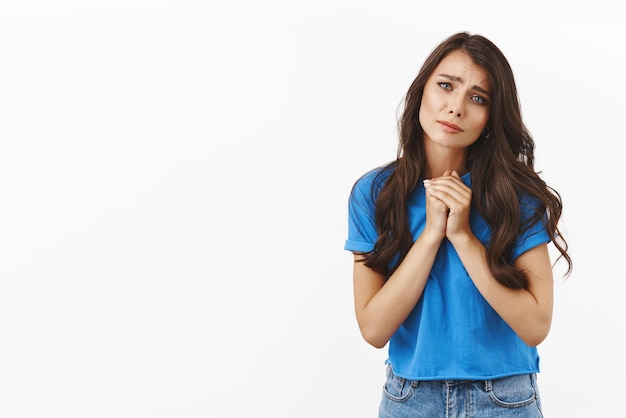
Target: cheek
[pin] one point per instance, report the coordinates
(427, 107)
(482, 120)
(420, 115)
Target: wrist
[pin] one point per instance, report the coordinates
(431, 236)
(461, 239)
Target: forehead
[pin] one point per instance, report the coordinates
(459, 64)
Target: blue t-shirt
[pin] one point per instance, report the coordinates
(452, 333)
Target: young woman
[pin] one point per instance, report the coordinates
(450, 243)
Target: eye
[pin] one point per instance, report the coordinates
(445, 85)
(478, 100)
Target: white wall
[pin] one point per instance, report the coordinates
(174, 178)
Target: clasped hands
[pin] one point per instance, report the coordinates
(448, 203)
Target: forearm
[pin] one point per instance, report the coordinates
(387, 309)
(528, 314)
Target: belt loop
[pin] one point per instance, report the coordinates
(488, 385)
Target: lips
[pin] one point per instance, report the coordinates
(449, 127)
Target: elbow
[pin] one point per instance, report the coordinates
(377, 343)
(373, 338)
(536, 336)
(533, 341)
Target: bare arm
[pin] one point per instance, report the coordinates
(527, 311)
(381, 307)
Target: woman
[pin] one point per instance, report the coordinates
(450, 243)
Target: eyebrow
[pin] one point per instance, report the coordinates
(459, 80)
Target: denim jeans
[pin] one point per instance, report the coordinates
(514, 396)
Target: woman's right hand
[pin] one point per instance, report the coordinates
(436, 212)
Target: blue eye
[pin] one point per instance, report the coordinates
(478, 100)
(445, 85)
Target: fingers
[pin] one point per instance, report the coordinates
(450, 189)
(450, 181)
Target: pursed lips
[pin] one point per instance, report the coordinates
(450, 127)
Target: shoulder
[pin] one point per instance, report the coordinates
(370, 183)
(530, 206)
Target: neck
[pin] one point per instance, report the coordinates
(440, 158)
(437, 165)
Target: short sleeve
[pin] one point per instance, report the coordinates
(533, 236)
(362, 233)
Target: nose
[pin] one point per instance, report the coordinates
(456, 106)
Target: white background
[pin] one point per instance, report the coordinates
(173, 197)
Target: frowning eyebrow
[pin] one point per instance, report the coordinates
(460, 80)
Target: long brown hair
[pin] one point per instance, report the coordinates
(502, 168)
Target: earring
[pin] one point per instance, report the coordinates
(485, 133)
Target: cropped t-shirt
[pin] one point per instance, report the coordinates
(452, 333)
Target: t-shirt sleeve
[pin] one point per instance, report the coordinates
(362, 233)
(533, 236)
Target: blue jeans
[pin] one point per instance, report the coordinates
(514, 396)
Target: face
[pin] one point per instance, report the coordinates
(455, 103)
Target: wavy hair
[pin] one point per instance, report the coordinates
(502, 167)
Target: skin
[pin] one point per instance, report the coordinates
(453, 113)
